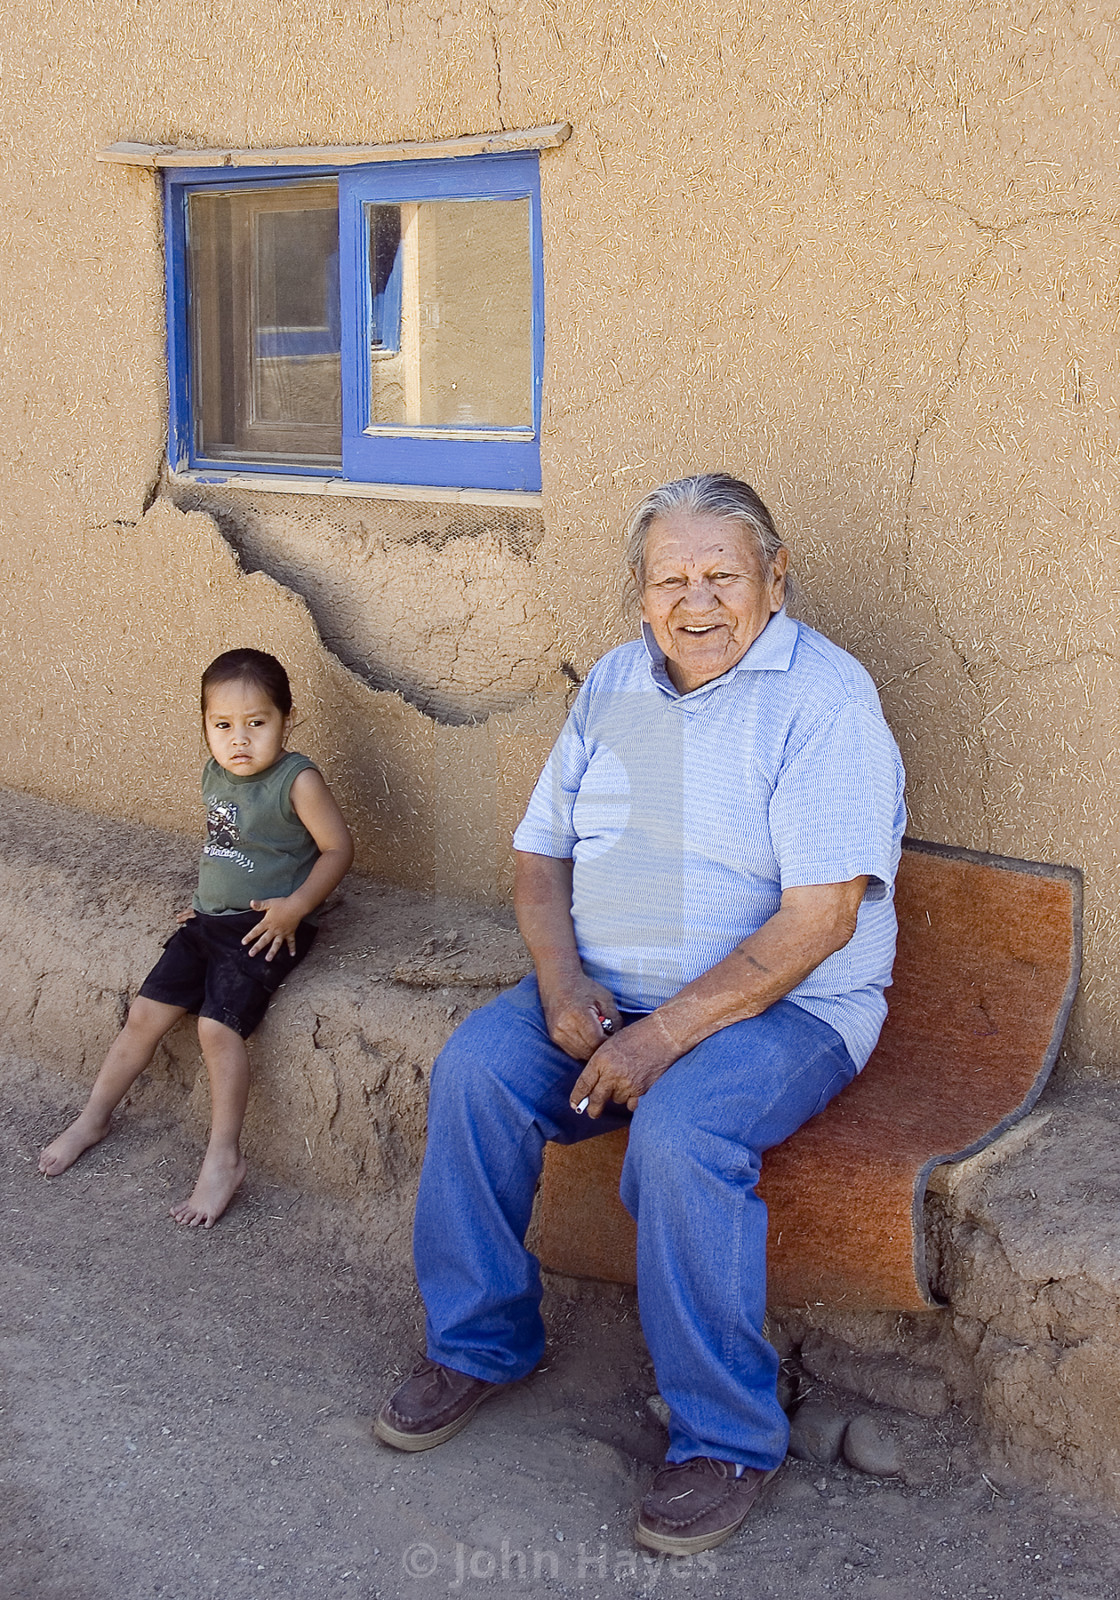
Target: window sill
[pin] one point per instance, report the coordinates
(284, 483)
(130, 154)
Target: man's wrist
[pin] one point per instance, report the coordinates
(557, 966)
(678, 1046)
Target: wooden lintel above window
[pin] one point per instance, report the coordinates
(339, 155)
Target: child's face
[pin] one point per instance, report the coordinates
(243, 728)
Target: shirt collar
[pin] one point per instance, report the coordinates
(772, 651)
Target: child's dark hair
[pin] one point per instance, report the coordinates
(255, 667)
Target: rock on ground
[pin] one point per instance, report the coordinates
(817, 1432)
(870, 1449)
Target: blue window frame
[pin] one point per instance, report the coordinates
(380, 323)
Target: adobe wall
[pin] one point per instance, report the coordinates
(864, 254)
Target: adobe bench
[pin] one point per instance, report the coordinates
(989, 955)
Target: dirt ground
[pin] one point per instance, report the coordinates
(187, 1414)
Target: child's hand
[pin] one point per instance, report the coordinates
(185, 916)
(276, 928)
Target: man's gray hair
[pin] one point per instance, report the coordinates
(709, 494)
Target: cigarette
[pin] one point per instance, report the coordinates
(584, 1103)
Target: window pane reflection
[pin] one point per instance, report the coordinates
(264, 271)
(451, 322)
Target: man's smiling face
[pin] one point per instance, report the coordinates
(705, 596)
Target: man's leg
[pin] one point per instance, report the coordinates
(695, 1149)
(499, 1090)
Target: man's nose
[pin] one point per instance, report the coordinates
(698, 592)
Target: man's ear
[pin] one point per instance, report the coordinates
(778, 568)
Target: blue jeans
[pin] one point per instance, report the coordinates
(500, 1089)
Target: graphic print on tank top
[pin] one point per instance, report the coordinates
(223, 833)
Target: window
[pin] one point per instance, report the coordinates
(381, 323)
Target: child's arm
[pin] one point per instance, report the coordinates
(315, 807)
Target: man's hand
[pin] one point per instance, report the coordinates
(572, 1009)
(572, 1002)
(624, 1067)
(185, 916)
(276, 928)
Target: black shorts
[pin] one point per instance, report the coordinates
(206, 969)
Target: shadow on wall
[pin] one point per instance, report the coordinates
(437, 603)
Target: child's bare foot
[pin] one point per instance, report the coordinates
(62, 1152)
(218, 1182)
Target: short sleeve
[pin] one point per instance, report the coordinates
(836, 811)
(547, 828)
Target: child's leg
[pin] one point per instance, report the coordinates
(130, 1052)
(227, 1063)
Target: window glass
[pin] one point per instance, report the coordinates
(384, 226)
(265, 328)
(452, 310)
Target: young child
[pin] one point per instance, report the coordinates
(276, 846)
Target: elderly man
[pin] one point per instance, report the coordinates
(704, 883)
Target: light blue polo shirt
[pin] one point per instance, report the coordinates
(685, 817)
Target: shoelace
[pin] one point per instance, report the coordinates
(699, 1464)
(434, 1371)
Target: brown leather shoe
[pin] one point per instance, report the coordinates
(695, 1505)
(431, 1405)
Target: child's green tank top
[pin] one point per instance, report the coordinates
(256, 847)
